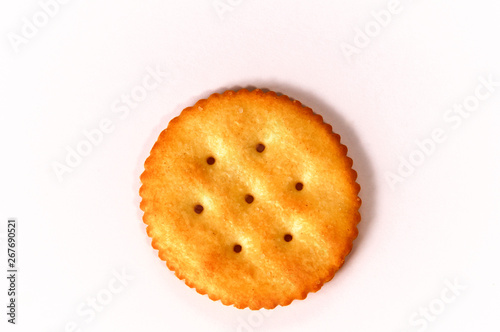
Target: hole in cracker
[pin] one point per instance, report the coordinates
(299, 186)
(198, 208)
(237, 248)
(210, 160)
(260, 147)
(288, 237)
(249, 199)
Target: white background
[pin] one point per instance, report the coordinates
(437, 225)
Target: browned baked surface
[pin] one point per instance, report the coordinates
(224, 207)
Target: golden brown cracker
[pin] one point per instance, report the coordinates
(250, 198)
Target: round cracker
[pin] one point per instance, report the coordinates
(250, 198)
